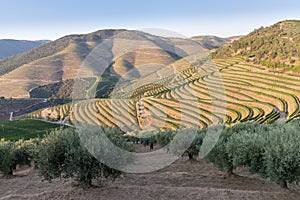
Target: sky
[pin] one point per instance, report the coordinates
(52, 19)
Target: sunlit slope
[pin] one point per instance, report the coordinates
(124, 52)
(220, 91)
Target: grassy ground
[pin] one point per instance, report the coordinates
(24, 129)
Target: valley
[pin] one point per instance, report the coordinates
(86, 115)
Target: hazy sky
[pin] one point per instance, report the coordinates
(51, 19)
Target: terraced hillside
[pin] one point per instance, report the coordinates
(219, 91)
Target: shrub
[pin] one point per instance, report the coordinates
(6, 161)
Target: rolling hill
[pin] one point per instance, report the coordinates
(276, 46)
(144, 90)
(214, 42)
(201, 92)
(10, 47)
(153, 78)
(54, 65)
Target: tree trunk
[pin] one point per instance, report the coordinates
(151, 146)
(90, 178)
(230, 173)
(11, 171)
(86, 180)
(191, 157)
(285, 186)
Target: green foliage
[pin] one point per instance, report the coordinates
(16, 153)
(51, 154)
(194, 148)
(218, 155)
(282, 155)
(187, 141)
(272, 46)
(6, 161)
(246, 146)
(61, 154)
(148, 139)
(24, 151)
(164, 138)
(270, 150)
(107, 145)
(246, 149)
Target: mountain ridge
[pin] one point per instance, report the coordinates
(11, 47)
(212, 42)
(60, 60)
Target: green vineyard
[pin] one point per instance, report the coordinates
(225, 91)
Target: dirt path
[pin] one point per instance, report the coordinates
(182, 180)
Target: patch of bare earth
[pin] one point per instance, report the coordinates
(183, 179)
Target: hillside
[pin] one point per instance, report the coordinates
(13, 47)
(200, 94)
(57, 63)
(214, 42)
(275, 46)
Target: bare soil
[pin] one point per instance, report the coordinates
(184, 179)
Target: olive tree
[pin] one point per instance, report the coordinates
(184, 141)
(282, 155)
(6, 161)
(61, 154)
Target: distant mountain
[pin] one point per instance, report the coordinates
(214, 42)
(48, 71)
(274, 46)
(13, 47)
